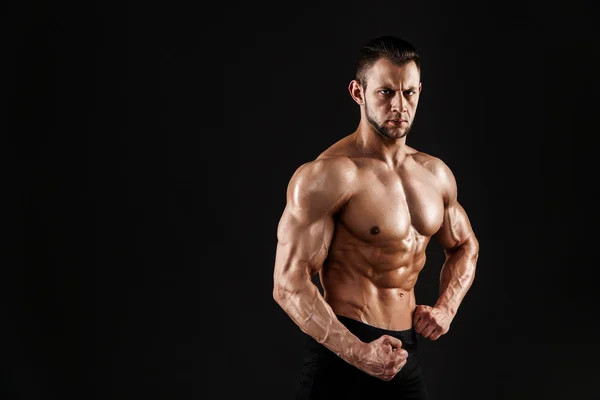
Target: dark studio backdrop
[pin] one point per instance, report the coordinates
(149, 152)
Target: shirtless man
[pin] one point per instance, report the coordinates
(361, 216)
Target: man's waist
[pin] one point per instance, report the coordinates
(395, 317)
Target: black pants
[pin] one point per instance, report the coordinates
(327, 376)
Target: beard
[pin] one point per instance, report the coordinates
(387, 133)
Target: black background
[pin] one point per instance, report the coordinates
(149, 150)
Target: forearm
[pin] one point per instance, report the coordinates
(303, 302)
(457, 275)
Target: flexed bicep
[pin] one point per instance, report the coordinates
(315, 193)
(302, 242)
(456, 228)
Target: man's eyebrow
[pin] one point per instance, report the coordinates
(393, 87)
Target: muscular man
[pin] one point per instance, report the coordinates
(361, 216)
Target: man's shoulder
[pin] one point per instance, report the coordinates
(338, 167)
(442, 172)
(433, 163)
(323, 183)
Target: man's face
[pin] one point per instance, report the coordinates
(391, 97)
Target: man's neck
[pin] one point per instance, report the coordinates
(390, 151)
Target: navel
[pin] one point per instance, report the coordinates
(375, 230)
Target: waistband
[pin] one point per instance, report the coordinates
(368, 333)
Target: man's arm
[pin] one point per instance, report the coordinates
(461, 247)
(316, 192)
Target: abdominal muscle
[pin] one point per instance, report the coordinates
(373, 283)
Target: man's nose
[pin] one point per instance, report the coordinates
(399, 103)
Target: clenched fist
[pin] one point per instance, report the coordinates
(431, 322)
(381, 358)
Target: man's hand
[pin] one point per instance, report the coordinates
(431, 322)
(381, 358)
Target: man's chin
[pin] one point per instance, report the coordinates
(395, 134)
(402, 132)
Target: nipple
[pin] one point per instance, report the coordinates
(375, 230)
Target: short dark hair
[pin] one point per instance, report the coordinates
(397, 50)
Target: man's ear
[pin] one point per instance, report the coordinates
(420, 86)
(356, 91)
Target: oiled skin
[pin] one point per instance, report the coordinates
(371, 276)
(361, 215)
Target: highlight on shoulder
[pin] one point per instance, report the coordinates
(440, 170)
(329, 177)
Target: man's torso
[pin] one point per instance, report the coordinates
(380, 238)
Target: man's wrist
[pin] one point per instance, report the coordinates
(351, 353)
(447, 308)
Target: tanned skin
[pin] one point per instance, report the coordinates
(361, 216)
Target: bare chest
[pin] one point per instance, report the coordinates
(392, 205)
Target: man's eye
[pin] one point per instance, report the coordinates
(410, 93)
(385, 91)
